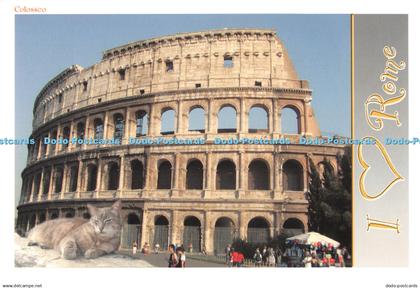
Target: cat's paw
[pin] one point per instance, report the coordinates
(70, 251)
(92, 253)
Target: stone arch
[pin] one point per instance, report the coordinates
(226, 175)
(290, 120)
(80, 131)
(118, 126)
(293, 226)
(131, 231)
(92, 173)
(258, 119)
(98, 128)
(58, 179)
(227, 119)
(167, 121)
(258, 175)
(141, 121)
(258, 230)
(113, 175)
(197, 119)
(74, 177)
(192, 234)
(224, 234)
(69, 213)
(292, 176)
(137, 174)
(42, 217)
(194, 177)
(32, 221)
(164, 180)
(161, 233)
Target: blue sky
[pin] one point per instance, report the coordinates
(319, 46)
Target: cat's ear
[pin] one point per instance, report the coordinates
(92, 209)
(117, 206)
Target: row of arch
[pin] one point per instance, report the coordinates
(259, 176)
(227, 123)
(224, 233)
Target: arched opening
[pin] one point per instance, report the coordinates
(164, 175)
(226, 175)
(196, 120)
(92, 170)
(141, 123)
(118, 127)
(258, 230)
(161, 235)
(80, 132)
(192, 234)
(224, 234)
(167, 122)
(137, 178)
(293, 226)
(98, 127)
(258, 175)
(74, 170)
(257, 120)
(69, 214)
(41, 218)
(226, 120)
(54, 215)
(66, 137)
(290, 120)
(292, 176)
(58, 183)
(113, 176)
(131, 231)
(32, 222)
(37, 184)
(86, 215)
(46, 181)
(194, 175)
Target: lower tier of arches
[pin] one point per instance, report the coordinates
(199, 226)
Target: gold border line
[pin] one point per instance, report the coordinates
(352, 16)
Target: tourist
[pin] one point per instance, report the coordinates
(240, 259)
(307, 261)
(173, 259)
(134, 248)
(146, 248)
(257, 258)
(232, 250)
(227, 254)
(157, 247)
(271, 259)
(265, 255)
(181, 257)
(237, 258)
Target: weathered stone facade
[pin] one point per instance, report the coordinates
(202, 195)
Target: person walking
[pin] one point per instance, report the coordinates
(307, 261)
(173, 258)
(181, 257)
(271, 259)
(227, 254)
(134, 248)
(257, 258)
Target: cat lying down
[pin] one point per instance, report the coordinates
(72, 237)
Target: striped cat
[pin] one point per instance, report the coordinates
(72, 237)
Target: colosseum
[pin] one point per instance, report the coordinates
(199, 87)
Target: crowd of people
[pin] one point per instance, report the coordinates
(324, 255)
(295, 255)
